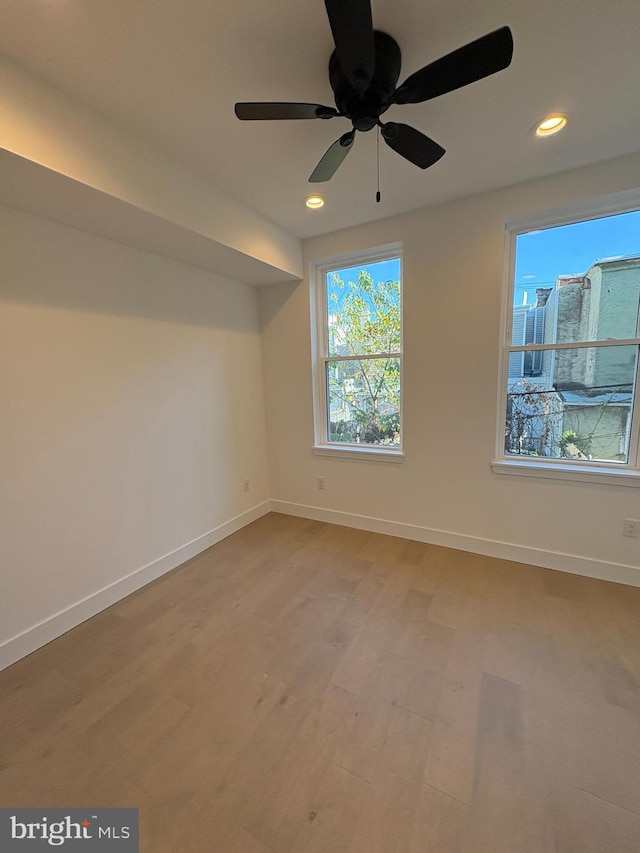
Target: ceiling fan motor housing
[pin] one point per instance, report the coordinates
(365, 107)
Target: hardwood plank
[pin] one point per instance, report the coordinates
(388, 815)
(364, 738)
(382, 629)
(451, 762)
(57, 772)
(499, 787)
(594, 746)
(420, 693)
(364, 596)
(332, 819)
(619, 681)
(238, 840)
(589, 824)
(426, 642)
(439, 823)
(288, 801)
(197, 761)
(133, 728)
(413, 553)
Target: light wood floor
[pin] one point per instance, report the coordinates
(306, 688)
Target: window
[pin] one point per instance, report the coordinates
(357, 341)
(570, 360)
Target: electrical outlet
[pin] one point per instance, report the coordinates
(246, 485)
(320, 484)
(631, 527)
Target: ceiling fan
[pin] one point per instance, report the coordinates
(363, 71)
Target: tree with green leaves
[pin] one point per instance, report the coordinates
(364, 385)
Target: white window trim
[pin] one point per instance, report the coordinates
(523, 467)
(317, 272)
(618, 473)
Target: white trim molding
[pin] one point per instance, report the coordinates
(521, 467)
(49, 629)
(365, 452)
(572, 563)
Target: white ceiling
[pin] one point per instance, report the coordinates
(170, 71)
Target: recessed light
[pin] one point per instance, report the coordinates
(550, 125)
(315, 202)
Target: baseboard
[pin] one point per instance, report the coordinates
(573, 563)
(44, 632)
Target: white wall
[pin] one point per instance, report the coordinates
(131, 408)
(453, 278)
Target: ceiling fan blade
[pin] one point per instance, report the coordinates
(411, 144)
(352, 29)
(275, 110)
(332, 158)
(476, 60)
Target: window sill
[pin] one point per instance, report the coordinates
(368, 454)
(584, 474)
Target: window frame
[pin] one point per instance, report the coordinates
(318, 271)
(605, 472)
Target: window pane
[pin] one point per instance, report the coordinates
(363, 309)
(578, 282)
(364, 401)
(578, 406)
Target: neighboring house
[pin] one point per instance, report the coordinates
(528, 327)
(576, 402)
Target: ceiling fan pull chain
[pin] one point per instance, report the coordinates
(378, 160)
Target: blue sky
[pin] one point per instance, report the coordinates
(379, 271)
(388, 270)
(542, 256)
